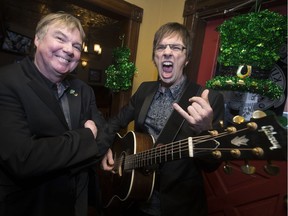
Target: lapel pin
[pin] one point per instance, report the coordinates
(73, 92)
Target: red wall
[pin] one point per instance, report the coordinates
(209, 52)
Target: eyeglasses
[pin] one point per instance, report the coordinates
(174, 47)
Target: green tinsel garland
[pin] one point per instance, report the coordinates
(119, 75)
(263, 87)
(253, 39)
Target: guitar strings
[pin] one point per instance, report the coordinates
(174, 150)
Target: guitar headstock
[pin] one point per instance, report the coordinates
(262, 138)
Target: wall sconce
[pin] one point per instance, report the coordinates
(84, 63)
(85, 47)
(97, 49)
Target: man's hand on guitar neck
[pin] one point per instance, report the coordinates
(199, 114)
(107, 162)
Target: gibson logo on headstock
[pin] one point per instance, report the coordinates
(269, 131)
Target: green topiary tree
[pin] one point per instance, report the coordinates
(119, 75)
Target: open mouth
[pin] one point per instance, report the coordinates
(167, 66)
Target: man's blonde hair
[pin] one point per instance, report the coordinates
(60, 18)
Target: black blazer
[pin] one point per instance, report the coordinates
(181, 183)
(41, 160)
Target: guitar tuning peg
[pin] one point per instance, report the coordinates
(238, 119)
(213, 133)
(231, 129)
(247, 169)
(216, 154)
(259, 152)
(227, 168)
(258, 114)
(271, 169)
(236, 153)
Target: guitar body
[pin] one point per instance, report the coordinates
(133, 174)
(127, 185)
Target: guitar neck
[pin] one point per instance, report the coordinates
(163, 153)
(260, 139)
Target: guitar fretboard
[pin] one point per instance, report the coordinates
(164, 153)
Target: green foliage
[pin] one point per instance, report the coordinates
(119, 75)
(252, 39)
(265, 87)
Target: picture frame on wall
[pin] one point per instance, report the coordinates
(16, 43)
(95, 76)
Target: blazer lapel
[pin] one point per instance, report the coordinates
(146, 105)
(48, 99)
(36, 84)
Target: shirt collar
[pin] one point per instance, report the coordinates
(65, 83)
(175, 89)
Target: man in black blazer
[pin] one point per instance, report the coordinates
(51, 130)
(172, 109)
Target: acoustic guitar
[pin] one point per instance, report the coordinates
(133, 175)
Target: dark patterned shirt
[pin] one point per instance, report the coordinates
(157, 116)
(161, 107)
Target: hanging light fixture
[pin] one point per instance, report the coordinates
(85, 47)
(97, 49)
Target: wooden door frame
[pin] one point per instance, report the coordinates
(132, 17)
(131, 13)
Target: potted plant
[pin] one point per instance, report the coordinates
(119, 75)
(249, 48)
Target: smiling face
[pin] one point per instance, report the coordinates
(58, 51)
(170, 59)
